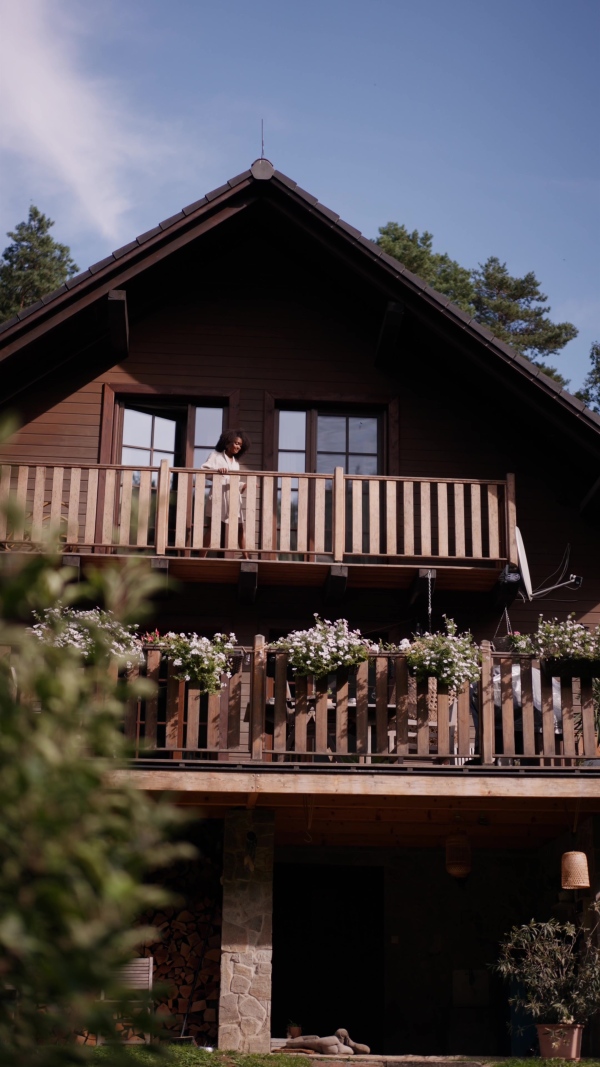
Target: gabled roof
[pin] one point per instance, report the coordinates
(262, 179)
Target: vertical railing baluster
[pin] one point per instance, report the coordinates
(258, 697)
(339, 514)
(486, 706)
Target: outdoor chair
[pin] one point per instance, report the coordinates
(136, 975)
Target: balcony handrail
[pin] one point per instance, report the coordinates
(320, 516)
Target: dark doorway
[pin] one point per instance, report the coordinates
(328, 958)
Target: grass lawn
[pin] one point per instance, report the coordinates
(171, 1056)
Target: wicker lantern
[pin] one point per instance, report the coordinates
(458, 855)
(574, 873)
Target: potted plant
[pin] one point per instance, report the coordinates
(324, 647)
(203, 660)
(452, 658)
(556, 967)
(93, 633)
(565, 648)
(294, 1029)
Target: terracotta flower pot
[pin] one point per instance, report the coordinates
(294, 1031)
(560, 1040)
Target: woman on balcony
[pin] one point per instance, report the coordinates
(224, 460)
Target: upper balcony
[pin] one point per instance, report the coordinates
(295, 525)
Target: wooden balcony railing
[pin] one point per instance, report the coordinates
(374, 714)
(166, 511)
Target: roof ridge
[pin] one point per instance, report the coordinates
(263, 170)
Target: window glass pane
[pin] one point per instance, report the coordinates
(331, 433)
(292, 430)
(292, 461)
(137, 428)
(362, 464)
(158, 456)
(164, 434)
(208, 429)
(327, 463)
(201, 455)
(363, 435)
(135, 457)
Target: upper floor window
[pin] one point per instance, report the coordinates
(183, 434)
(318, 442)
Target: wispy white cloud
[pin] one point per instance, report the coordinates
(72, 136)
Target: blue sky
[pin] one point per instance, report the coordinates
(474, 119)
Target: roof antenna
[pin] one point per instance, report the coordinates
(262, 138)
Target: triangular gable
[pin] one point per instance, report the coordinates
(225, 202)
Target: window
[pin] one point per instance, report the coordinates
(183, 434)
(321, 441)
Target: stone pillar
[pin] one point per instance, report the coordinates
(246, 947)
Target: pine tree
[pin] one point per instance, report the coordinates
(33, 265)
(415, 252)
(590, 393)
(514, 310)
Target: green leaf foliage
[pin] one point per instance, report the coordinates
(33, 265)
(76, 842)
(557, 970)
(415, 252)
(590, 393)
(514, 310)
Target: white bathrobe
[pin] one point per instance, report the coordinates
(215, 461)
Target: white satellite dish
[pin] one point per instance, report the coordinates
(523, 565)
(574, 581)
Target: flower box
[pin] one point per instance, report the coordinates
(566, 669)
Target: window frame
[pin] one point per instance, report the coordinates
(385, 409)
(115, 397)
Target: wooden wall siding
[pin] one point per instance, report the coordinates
(375, 714)
(309, 516)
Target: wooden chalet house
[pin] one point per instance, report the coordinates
(396, 446)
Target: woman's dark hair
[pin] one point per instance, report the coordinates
(230, 435)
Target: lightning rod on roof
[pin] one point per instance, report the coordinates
(262, 138)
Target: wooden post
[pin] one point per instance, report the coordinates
(162, 508)
(511, 520)
(339, 514)
(486, 705)
(258, 697)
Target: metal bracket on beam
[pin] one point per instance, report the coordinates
(118, 322)
(420, 584)
(247, 582)
(506, 588)
(336, 582)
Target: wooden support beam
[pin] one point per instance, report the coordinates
(336, 582)
(118, 322)
(389, 334)
(247, 582)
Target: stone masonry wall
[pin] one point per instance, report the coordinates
(246, 946)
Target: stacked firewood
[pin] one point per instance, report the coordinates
(187, 937)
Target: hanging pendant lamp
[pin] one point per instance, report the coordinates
(458, 855)
(574, 873)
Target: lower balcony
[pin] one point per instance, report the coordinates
(295, 526)
(375, 716)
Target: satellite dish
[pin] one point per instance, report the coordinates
(574, 581)
(523, 565)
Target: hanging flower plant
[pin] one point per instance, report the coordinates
(452, 658)
(565, 640)
(93, 633)
(197, 659)
(324, 647)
